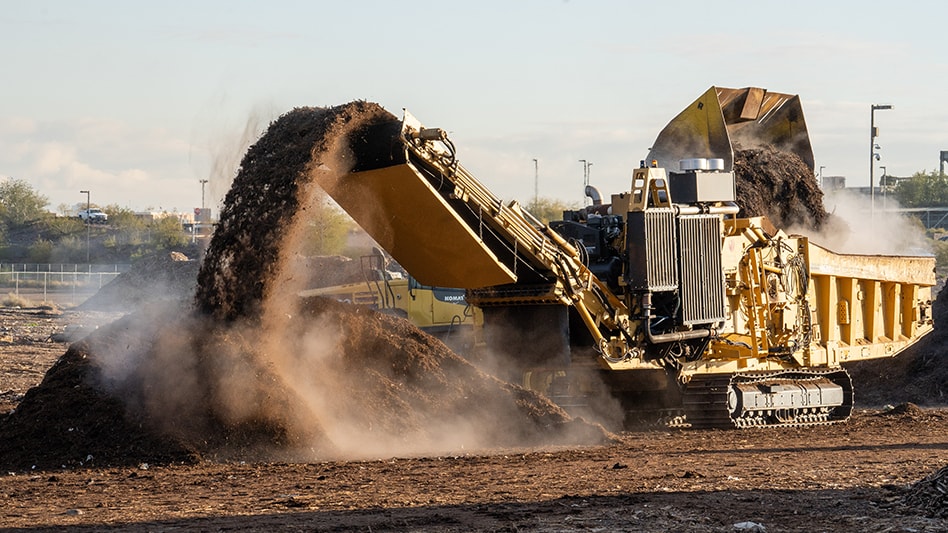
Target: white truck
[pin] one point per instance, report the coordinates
(93, 215)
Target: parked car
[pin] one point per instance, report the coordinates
(94, 216)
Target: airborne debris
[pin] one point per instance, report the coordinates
(259, 374)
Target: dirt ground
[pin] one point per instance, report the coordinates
(856, 476)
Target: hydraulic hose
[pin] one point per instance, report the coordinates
(674, 336)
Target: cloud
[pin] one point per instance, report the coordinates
(121, 163)
(50, 158)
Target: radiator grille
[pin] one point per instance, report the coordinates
(651, 243)
(702, 277)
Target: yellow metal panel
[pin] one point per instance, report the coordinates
(900, 269)
(412, 222)
(909, 311)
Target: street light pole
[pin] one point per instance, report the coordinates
(88, 222)
(203, 182)
(872, 151)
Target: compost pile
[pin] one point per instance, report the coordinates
(780, 186)
(158, 277)
(930, 494)
(260, 374)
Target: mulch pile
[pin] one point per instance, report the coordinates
(930, 495)
(258, 373)
(389, 385)
(158, 277)
(780, 186)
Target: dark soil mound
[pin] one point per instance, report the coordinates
(107, 403)
(930, 495)
(68, 420)
(780, 186)
(161, 277)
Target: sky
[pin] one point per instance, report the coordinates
(139, 102)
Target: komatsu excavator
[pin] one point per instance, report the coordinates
(438, 311)
(664, 289)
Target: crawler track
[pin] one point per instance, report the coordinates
(715, 401)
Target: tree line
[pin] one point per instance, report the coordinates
(923, 189)
(29, 232)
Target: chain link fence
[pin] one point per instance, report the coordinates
(57, 283)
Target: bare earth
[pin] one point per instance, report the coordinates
(847, 477)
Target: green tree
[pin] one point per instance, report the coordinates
(549, 209)
(20, 203)
(326, 230)
(167, 233)
(123, 217)
(127, 229)
(41, 251)
(923, 189)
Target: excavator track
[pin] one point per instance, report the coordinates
(773, 399)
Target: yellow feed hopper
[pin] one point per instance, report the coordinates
(722, 120)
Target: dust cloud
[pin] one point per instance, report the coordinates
(217, 148)
(856, 226)
(780, 186)
(259, 370)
